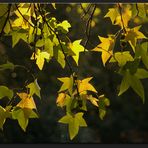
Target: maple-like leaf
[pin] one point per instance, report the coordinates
(106, 46)
(74, 122)
(133, 35)
(122, 58)
(34, 88)
(112, 14)
(84, 85)
(124, 18)
(76, 47)
(67, 84)
(26, 101)
(40, 57)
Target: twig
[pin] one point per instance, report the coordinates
(120, 11)
(23, 16)
(68, 63)
(88, 27)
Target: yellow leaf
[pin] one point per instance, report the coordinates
(67, 84)
(93, 100)
(26, 101)
(106, 46)
(115, 16)
(84, 85)
(40, 57)
(76, 47)
(112, 14)
(61, 99)
(126, 16)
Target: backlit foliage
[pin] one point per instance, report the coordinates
(34, 24)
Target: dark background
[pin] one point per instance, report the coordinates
(127, 118)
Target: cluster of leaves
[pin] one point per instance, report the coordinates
(47, 39)
(133, 47)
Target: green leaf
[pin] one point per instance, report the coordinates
(34, 88)
(130, 80)
(5, 92)
(73, 123)
(2, 117)
(137, 86)
(8, 65)
(124, 84)
(3, 9)
(122, 58)
(103, 102)
(139, 9)
(76, 47)
(17, 35)
(133, 35)
(80, 119)
(64, 26)
(141, 73)
(48, 46)
(58, 54)
(102, 113)
(144, 53)
(67, 84)
(40, 57)
(23, 115)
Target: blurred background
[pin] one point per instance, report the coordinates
(126, 120)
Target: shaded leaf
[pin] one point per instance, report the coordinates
(5, 92)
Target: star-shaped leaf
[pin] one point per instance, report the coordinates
(133, 35)
(40, 57)
(67, 84)
(84, 85)
(106, 46)
(122, 58)
(74, 122)
(34, 88)
(26, 101)
(112, 14)
(23, 115)
(76, 47)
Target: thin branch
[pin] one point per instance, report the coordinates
(137, 10)
(88, 27)
(68, 63)
(23, 16)
(120, 11)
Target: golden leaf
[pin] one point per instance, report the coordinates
(26, 101)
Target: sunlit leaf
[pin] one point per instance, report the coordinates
(64, 26)
(122, 58)
(40, 57)
(84, 85)
(73, 123)
(23, 115)
(76, 47)
(106, 46)
(61, 99)
(67, 84)
(34, 88)
(26, 101)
